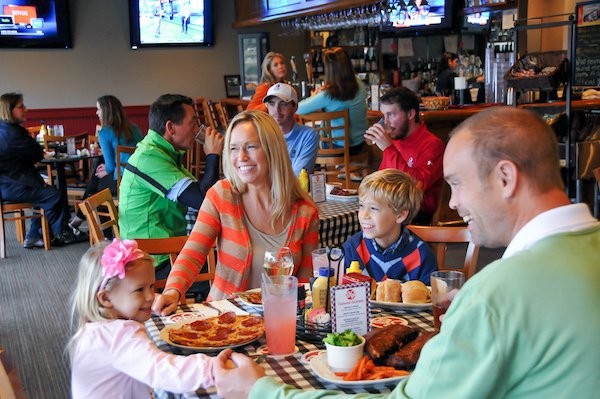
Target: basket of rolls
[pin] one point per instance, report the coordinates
(412, 293)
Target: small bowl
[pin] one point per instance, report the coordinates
(342, 359)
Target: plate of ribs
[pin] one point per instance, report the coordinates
(391, 353)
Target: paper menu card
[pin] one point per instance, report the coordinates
(317, 187)
(350, 305)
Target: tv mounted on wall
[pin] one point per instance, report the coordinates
(171, 23)
(34, 24)
(416, 16)
(478, 22)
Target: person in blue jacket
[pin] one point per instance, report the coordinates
(115, 130)
(19, 179)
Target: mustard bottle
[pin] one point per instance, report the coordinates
(355, 275)
(303, 179)
(320, 290)
(354, 268)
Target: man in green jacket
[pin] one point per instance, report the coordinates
(156, 189)
(527, 325)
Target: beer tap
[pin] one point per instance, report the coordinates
(308, 65)
(294, 70)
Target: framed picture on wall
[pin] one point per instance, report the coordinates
(232, 85)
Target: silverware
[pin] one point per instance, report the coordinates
(208, 305)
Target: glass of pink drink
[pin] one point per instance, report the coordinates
(279, 297)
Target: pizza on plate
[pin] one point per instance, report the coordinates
(225, 330)
(254, 297)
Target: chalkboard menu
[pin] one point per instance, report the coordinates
(587, 44)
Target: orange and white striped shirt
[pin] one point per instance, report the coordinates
(221, 219)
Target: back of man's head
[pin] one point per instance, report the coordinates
(519, 136)
(168, 107)
(404, 98)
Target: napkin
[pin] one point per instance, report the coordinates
(223, 305)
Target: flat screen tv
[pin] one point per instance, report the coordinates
(34, 24)
(415, 16)
(174, 23)
(478, 22)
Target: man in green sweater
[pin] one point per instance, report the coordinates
(156, 189)
(527, 325)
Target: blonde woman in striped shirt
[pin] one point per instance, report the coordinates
(259, 205)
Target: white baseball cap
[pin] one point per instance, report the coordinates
(282, 91)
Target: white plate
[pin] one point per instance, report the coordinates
(349, 198)
(321, 369)
(402, 305)
(248, 303)
(164, 335)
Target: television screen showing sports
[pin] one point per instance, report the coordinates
(170, 22)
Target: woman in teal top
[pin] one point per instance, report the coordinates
(116, 130)
(342, 90)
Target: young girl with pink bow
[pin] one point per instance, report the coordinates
(111, 354)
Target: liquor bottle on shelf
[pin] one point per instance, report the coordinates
(315, 67)
(320, 66)
(374, 65)
(367, 61)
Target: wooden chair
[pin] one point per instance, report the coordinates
(233, 106)
(172, 246)
(34, 130)
(222, 116)
(92, 139)
(195, 158)
(122, 149)
(327, 155)
(10, 384)
(440, 236)
(97, 208)
(444, 215)
(203, 112)
(16, 210)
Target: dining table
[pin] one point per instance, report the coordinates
(294, 369)
(338, 221)
(58, 163)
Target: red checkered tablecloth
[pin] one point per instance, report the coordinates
(290, 369)
(338, 221)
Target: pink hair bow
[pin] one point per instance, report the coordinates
(116, 256)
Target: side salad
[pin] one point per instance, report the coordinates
(345, 338)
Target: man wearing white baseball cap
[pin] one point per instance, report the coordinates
(302, 141)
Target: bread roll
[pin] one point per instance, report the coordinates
(415, 291)
(389, 291)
